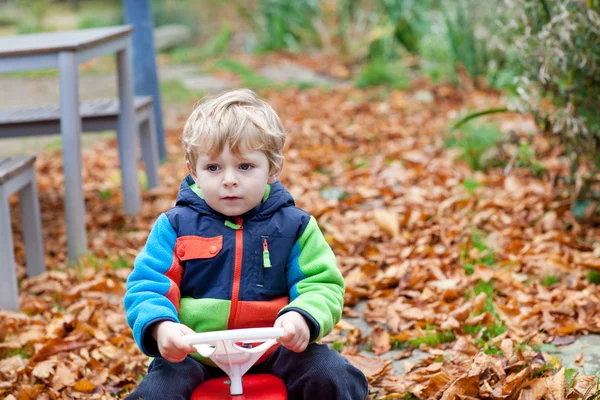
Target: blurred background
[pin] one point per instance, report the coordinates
(542, 56)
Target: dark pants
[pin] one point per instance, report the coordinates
(316, 373)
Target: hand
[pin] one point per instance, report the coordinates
(295, 331)
(171, 346)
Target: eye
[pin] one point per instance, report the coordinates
(245, 167)
(212, 168)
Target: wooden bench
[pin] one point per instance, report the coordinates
(96, 115)
(17, 175)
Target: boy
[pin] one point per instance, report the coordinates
(234, 253)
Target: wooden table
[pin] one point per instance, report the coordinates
(65, 51)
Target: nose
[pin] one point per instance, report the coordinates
(229, 178)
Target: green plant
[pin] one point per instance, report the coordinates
(474, 140)
(9, 15)
(105, 194)
(97, 20)
(432, 338)
(283, 24)
(554, 41)
(338, 345)
(173, 91)
(392, 75)
(216, 45)
(476, 241)
(526, 159)
(470, 185)
(550, 280)
(465, 47)
(570, 375)
(119, 263)
(593, 277)
(249, 78)
(34, 13)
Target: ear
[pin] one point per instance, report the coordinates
(190, 170)
(273, 177)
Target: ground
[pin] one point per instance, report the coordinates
(392, 201)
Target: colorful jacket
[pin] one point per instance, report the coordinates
(209, 272)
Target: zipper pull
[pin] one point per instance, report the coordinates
(239, 221)
(266, 259)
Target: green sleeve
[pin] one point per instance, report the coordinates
(316, 284)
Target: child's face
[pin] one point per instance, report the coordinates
(232, 185)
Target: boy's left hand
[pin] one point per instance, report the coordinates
(295, 331)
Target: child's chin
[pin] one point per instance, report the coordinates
(232, 211)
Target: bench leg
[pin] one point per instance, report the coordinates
(32, 227)
(150, 150)
(9, 293)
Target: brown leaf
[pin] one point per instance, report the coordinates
(584, 383)
(84, 385)
(373, 368)
(388, 221)
(63, 377)
(512, 384)
(535, 390)
(465, 385)
(557, 385)
(44, 369)
(54, 346)
(380, 340)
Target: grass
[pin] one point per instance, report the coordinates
(526, 159)
(487, 258)
(216, 45)
(475, 140)
(550, 280)
(249, 78)
(470, 185)
(431, 338)
(173, 91)
(338, 345)
(376, 73)
(593, 277)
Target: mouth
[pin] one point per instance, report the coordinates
(231, 198)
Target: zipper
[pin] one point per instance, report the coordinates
(266, 261)
(266, 258)
(237, 272)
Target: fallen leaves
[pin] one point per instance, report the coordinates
(451, 271)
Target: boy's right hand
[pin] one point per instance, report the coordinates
(169, 337)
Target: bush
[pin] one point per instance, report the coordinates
(559, 56)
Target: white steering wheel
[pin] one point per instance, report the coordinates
(235, 359)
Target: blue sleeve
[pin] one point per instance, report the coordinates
(145, 299)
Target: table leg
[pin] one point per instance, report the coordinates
(70, 126)
(9, 292)
(127, 133)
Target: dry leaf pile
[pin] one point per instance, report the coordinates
(372, 167)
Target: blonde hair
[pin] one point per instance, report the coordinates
(239, 119)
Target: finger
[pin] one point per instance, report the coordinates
(289, 330)
(297, 344)
(182, 346)
(186, 330)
